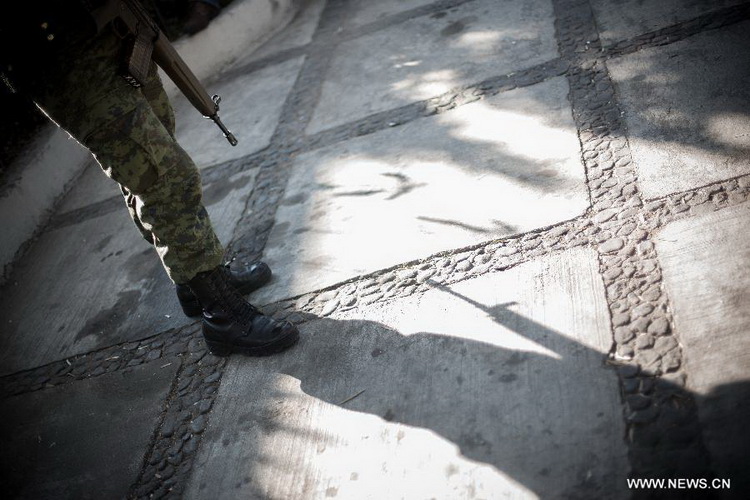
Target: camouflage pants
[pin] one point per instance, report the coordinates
(130, 132)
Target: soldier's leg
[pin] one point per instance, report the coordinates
(244, 279)
(154, 92)
(116, 122)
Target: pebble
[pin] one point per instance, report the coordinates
(674, 379)
(168, 428)
(174, 459)
(464, 265)
(620, 319)
(406, 274)
(174, 449)
(370, 299)
(326, 296)
(349, 300)
(644, 341)
(640, 325)
(665, 344)
(680, 208)
(329, 307)
(649, 359)
(647, 385)
(626, 229)
(642, 310)
(612, 245)
(611, 274)
(198, 425)
(652, 294)
(623, 335)
(659, 326)
(153, 355)
(425, 275)
(605, 215)
(190, 446)
(303, 301)
(671, 361)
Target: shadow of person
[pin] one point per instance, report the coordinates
(530, 402)
(725, 413)
(535, 417)
(484, 389)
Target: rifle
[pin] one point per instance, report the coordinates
(148, 43)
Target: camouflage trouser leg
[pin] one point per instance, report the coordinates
(130, 133)
(153, 91)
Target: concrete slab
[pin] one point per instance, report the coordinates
(251, 105)
(430, 55)
(91, 187)
(686, 110)
(447, 181)
(70, 301)
(363, 12)
(297, 33)
(32, 185)
(704, 261)
(622, 19)
(83, 440)
(493, 388)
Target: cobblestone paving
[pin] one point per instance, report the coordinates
(663, 432)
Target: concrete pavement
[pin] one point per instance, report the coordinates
(511, 233)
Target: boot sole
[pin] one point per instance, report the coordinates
(222, 350)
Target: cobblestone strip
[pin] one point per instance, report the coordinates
(439, 104)
(166, 467)
(698, 201)
(663, 433)
(623, 240)
(260, 211)
(165, 345)
(167, 464)
(444, 268)
(680, 31)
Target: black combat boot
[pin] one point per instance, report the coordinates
(230, 324)
(243, 280)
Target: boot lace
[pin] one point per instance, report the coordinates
(236, 305)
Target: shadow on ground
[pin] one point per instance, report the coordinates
(537, 419)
